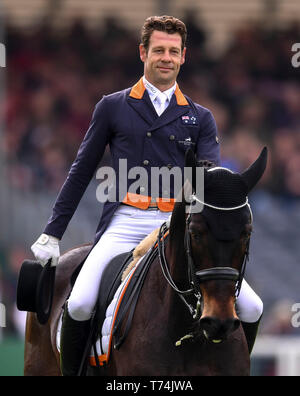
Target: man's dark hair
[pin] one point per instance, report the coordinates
(164, 23)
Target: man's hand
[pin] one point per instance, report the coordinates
(46, 248)
(205, 164)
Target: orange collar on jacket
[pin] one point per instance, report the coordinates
(138, 90)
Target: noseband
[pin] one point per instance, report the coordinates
(198, 277)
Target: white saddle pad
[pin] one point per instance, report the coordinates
(103, 345)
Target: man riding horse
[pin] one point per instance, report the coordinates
(150, 125)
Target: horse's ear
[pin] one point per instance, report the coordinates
(207, 177)
(190, 162)
(252, 175)
(190, 159)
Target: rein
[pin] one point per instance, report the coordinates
(198, 277)
(166, 273)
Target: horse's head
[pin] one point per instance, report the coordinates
(217, 243)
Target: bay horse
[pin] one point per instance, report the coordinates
(185, 321)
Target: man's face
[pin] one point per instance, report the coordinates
(163, 59)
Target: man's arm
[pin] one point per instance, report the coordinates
(88, 157)
(82, 170)
(208, 147)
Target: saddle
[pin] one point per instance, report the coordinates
(128, 268)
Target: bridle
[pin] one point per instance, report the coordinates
(198, 277)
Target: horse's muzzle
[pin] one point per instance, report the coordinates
(217, 330)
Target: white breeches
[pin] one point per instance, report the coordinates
(128, 227)
(249, 306)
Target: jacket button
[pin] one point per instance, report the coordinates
(149, 134)
(146, 162)
(171, 137)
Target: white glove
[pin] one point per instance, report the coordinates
(46, 248)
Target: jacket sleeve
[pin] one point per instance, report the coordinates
(82, 170)
(208, 147)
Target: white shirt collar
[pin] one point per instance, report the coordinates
(154, 92)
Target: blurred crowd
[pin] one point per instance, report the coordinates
(54, 79)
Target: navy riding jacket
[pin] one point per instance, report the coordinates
(128, 123)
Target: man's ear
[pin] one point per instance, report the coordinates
(183, 56)
(143, 52)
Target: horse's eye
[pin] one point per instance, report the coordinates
(248, 229)
(196, 236)
(246, 235)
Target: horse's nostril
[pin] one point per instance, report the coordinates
(214, 327)
(207, 323)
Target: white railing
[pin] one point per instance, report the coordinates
(283, 350)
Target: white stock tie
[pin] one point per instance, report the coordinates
(161, 103)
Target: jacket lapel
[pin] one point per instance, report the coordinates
(139, 99)
(172, 112)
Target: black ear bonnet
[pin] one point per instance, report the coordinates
(225, 189)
